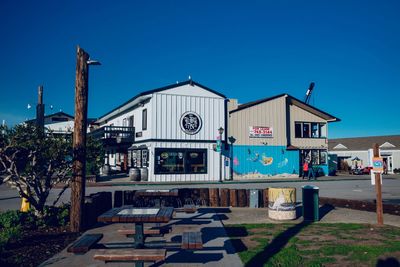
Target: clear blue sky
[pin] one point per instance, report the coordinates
(244, 49)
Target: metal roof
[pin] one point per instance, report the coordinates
(364, 143)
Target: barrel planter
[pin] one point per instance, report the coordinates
(282, 203)
(134, 174)
(144, 174)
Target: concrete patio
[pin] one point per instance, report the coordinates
(218, 250)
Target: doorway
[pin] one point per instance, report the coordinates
(388, 160)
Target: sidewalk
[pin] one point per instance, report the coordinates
(124, 180)
(218, 250)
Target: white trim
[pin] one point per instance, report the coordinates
(340, 146)
(387, 145)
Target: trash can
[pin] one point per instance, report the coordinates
(310, 203)
(282, 203)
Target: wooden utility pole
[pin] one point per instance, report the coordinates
(40, 110)
(79, 141)
(378, 189)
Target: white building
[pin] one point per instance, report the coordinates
(358, 150)
(171, 131)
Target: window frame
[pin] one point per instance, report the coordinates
(320, 126)
(186, 152)
(144, 119)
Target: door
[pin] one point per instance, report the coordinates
(390, 164)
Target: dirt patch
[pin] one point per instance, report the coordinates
(36, 246)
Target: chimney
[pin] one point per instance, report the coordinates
(232, 104)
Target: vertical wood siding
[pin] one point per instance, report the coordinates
(170, 108)
(267, 114)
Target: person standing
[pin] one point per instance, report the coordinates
(310, 171)
(385, 169)
(305, 169)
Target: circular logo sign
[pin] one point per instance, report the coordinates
(190, 122)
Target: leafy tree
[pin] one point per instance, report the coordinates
(34, 162)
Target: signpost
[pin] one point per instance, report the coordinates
(377, 163)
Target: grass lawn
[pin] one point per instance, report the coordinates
(318, 244)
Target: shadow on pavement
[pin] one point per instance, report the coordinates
(324, 210)
(277, 244)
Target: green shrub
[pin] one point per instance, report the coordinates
(10, 218)
(56, 216)
(13, 232)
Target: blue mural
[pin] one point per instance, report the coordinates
(264, 160)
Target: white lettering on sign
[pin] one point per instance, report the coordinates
(260, 132)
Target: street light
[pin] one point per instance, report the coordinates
(220, 131)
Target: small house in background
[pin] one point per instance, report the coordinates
(274, 136)
(59, 123)
(358, 150)
(168, 133)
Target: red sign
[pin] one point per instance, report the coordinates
(260, 132)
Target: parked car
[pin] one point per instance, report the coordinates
(367, 170)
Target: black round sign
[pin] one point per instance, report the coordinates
(191, 122)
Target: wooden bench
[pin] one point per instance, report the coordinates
(139, 256)
(187, 209)
(83, 244)
(192, 240)
(147, 231)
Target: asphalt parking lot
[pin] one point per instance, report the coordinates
(346, 187)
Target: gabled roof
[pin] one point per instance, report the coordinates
(293, 101)
(149, 92)
(365, 143)
(387, 145)
(340, 146)
(60, 113)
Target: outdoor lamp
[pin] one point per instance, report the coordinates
(220, 131)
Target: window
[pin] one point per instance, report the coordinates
(297, 129)
(139, 158)
(144, 119)
(322, 130)
(310, 130)
(180, 161)
(323, 156)
(316, 156)
(130, 121)
(314, 130)
(306, 130)
(59, 119)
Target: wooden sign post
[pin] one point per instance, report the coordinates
(79, 141)
(378, 185)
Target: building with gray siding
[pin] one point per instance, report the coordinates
(358, 150)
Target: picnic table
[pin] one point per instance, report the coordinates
(138, 216)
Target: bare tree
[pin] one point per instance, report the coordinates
(34, 163)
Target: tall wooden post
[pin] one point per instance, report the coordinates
(79, 141)
(40, 110)
(378, 189)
